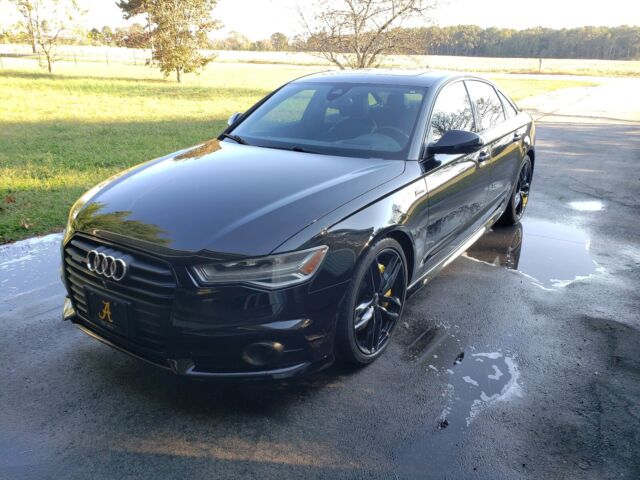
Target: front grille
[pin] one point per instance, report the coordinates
(149, 287)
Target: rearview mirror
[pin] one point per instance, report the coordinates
(456, 141)
(233, 118)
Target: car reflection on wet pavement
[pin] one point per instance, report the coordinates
(552, 255)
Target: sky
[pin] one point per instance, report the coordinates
(258, 19)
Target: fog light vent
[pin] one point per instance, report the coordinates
(262, 353)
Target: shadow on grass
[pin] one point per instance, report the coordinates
(134, 87)
(21, 74)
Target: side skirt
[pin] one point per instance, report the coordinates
(464, 246)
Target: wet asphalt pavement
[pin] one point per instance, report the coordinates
(521, 360)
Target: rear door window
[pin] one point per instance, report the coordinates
(509, 109)
(487, 103)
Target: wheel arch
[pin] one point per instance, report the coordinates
(531, 153)
(407, 248)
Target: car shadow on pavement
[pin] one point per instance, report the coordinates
(134, 377)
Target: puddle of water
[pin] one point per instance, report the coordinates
(587, 205)
(551, 254)
(473, 381)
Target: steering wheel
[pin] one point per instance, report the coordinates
(360, 123)
(398, 135)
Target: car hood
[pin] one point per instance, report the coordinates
(227, 198)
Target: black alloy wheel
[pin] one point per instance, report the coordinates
(376, 299)
(520, 196)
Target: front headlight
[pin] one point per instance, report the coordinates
(274, 271)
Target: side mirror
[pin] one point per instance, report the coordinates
(456, 141)
(233, 118)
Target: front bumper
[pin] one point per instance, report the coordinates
(188, 366)
(231, 332)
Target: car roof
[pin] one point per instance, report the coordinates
(388, 77)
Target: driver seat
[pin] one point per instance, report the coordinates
(396, 114)
(356, 122)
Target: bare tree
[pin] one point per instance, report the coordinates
(45, 20)
(25, 9)
(50, 19)
(357, 33)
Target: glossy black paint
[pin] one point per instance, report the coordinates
(218, 197)
(456, 141)
(221, 200)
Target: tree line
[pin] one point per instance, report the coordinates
(348, 33)
(137, 35)
(606, 43)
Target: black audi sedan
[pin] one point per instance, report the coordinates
(295, 237)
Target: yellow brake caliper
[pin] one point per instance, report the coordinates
(388, 293)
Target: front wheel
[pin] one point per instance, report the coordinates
(373, 303)
(520, 195)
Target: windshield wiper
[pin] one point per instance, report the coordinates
(235, 138)
(295, 148)
(302, 150)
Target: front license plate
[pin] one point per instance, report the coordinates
(108, 312)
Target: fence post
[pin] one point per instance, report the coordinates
(134, 57)
(75, 60)
(1, 64)
(106, 54)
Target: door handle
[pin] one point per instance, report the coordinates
(483, 156)
(517, 136)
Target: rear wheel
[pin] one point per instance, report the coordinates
(373, 304)
(520, 195)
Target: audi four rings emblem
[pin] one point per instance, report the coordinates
(106, 265)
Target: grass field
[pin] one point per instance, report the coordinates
(553, 66)
(60, 134)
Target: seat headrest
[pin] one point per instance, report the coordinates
(395, 101)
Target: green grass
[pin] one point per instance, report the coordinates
(61, 134)
(519, 88)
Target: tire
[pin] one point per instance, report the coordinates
(360, 341)
(519, 196)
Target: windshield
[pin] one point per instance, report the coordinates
(357, 120)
